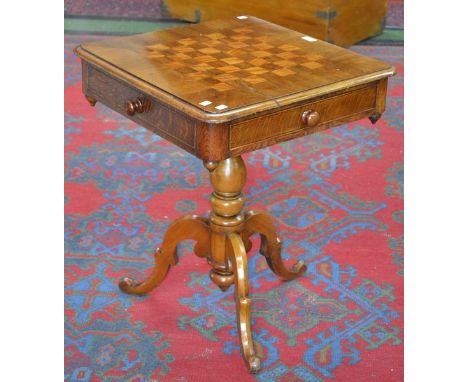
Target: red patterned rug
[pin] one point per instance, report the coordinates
(395, 14)
(133, 9)
(338, 198)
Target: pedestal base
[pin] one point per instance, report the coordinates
(224, 239)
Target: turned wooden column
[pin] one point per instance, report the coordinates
(228, 257)
(228, 179)
(224, 240)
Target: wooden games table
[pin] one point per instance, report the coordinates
(220, 89)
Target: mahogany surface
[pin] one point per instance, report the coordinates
(203, 86)
(275, 84)
(231, 62)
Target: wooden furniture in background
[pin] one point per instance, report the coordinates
(220, 89)
(341, 22)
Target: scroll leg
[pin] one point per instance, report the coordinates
(270, 247)
(238, 258)
(184, 228)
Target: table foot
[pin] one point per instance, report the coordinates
(238, 257)
(374, 118)
(92, 101)
(270, 247)
(184, 228)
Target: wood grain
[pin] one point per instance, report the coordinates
(262, 223)
(282, 124)
(247, 65)
(238, 259)
(158, 118)
(267, 76)
(185, 228)
(341, 22)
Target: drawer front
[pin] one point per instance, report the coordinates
(147, 111)
(288, 123)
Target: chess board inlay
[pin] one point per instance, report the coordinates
(244, 62)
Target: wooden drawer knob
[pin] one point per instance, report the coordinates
(310, 118)
(135, 106)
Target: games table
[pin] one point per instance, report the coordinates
(220, 89)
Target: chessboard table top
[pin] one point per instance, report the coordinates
(233, 66)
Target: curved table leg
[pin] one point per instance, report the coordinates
(184, 228)
(270, 247)
(238, 257)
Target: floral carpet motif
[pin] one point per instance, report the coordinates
(338, 200)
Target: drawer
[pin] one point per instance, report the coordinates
(293, 122)
(139, 107)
